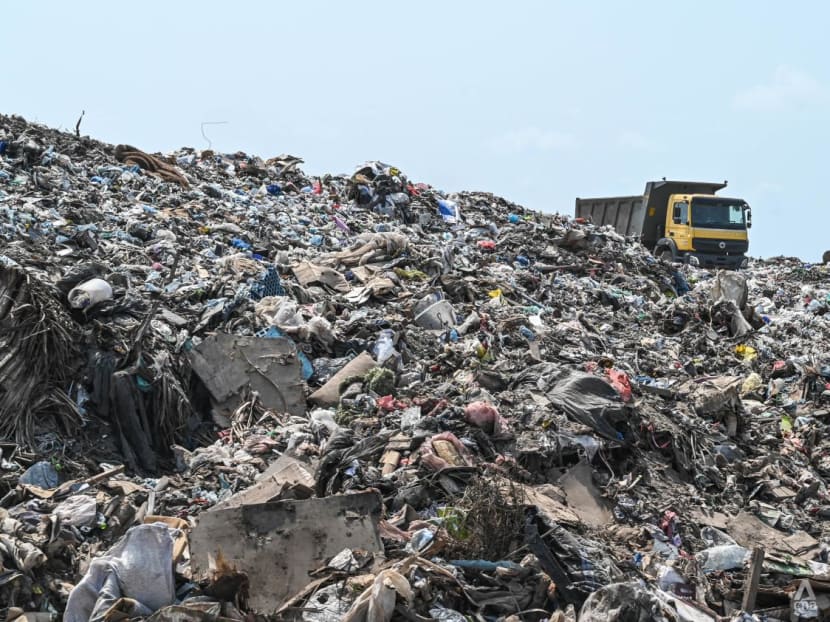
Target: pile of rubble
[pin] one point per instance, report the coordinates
(231, 391)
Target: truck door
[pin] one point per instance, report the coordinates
(677, 222)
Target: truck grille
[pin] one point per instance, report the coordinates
(732, 247)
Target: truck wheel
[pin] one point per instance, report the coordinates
(666, 255)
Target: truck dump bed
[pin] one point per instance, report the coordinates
(625, 214)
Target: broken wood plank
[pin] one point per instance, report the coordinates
(753, 577)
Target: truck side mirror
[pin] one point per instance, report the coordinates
(676, 215)
(748, 218)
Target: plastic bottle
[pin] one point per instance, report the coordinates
(90, 293)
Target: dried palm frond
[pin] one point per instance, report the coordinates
(37, 350)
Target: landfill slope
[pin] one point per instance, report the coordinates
(229, 389)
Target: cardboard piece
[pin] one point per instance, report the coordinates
(286, 474)
(228, 364)
(749, 531)
(180, 543)
(583, 497)
(308, 273)
(277, 544)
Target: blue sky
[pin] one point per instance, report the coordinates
(537, 101)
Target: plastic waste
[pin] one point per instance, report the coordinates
(434, 313)
(670, 580)
(446, 615)
(620, 381)
(483, 565)
(410, 417)
(385, 346)
(78, 511)
(421, 540)
(722, 557)
(715, 537)
(745, 352)
(326, 604)
(41, 474)
(485, 416)
(753, 382)
(448, 210)
(90, 293)
(165, 234)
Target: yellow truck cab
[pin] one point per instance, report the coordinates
(679, 221)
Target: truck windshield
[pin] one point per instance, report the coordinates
(718, 213)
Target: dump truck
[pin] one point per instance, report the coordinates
(679, 221)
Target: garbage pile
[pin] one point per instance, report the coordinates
(233, 391)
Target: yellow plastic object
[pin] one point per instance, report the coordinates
(745, 352)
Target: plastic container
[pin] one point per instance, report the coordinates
(90, 293)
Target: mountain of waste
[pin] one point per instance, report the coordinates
(233, 391)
